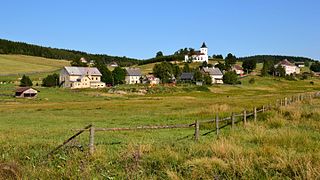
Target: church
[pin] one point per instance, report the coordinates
(198, 56)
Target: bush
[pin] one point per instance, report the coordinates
(230, 78)
(25, 81)
(51, 80)
(290, 77)
(252, 81)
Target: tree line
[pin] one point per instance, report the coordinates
(11, 47)
(275, 58)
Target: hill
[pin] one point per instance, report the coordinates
(276, 58)
(20, 64)
(11, 47)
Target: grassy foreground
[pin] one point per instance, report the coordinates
(279, 146)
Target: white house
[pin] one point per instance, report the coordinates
(152, 80)
(215, 74)
(81, 77)
(83, 60)
(288, 67)
(198, 56)
(133, 76)
(113, 64)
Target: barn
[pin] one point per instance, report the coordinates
(26, 92)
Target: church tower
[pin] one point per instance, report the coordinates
(204, 49)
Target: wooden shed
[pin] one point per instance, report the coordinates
(26, 92)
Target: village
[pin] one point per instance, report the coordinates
(88, 75)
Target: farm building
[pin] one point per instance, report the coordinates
(187, 77)
(133, 76)
(215, 74)
(26, 92)
(288, 67)
(238, 69)
(151, 79)
(81, 77)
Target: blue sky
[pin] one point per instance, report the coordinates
(140, 28)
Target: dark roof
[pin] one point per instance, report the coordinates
(198, 53)
(23, 89)
(204, 45)
(186, 76)
(133, 72)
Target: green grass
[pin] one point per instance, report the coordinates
(19, 64)
(283, 145)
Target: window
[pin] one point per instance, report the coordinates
(96, 78)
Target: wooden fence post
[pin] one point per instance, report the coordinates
(217, 124)
(263, 109)
(232, 120)
(196, 131)
(91, 140)
(285, 101)
(244, 117)
(255, 114)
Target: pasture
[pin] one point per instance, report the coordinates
(281, 145)
(20, 64)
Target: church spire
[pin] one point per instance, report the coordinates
(204, 45)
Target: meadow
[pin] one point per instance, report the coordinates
(280, 145)
(20, 64)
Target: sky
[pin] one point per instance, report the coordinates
(140, 28)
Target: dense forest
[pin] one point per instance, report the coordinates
(275, 58)
(11, 47)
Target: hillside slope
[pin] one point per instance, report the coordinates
(19, 64)
(11, 47)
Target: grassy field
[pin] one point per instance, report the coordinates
(281, 146)
(19, 64)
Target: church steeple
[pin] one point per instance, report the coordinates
(204, 45)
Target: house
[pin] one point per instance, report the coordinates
(83, 60)
(26, 92)
(133, 76)
(300, 64)
(238, 69)
(152, 80)
(113, 64)
(81, 77)
(198, 56)
(215, 74)
(288, 67)
(187, 77)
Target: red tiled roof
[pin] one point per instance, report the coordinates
(237, 67)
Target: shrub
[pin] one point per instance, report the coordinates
(230, 78)
(252, 81)
(25, 81)
(51, 80)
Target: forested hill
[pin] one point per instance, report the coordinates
(275, 58)
(11, 47)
